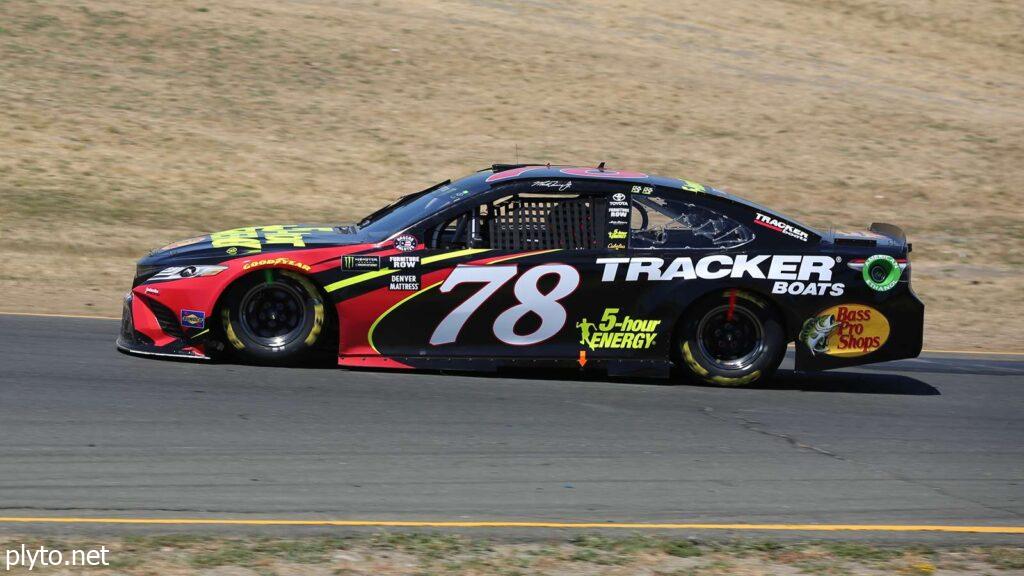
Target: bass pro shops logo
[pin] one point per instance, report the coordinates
(846, 330)
(616, 333)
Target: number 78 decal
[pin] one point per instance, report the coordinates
(527, 292)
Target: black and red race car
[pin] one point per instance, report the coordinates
(539, 266)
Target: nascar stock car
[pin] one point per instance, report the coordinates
(538, 266)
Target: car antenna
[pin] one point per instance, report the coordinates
(600, 167)
(517, 152)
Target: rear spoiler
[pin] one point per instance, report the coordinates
(891, 231)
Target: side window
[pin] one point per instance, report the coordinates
(455, 233)
(659, 222)
(525, 222)
(539, 221)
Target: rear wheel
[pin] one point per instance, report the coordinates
(732, 339)
(274, 317)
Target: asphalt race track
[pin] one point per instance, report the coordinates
(87, 431)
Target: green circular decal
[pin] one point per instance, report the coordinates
(892, 272)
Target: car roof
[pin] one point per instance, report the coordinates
(485, 179)
(508, 172)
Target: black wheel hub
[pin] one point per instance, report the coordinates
(731, 339)
(273, 314)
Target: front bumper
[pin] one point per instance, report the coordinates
(146, 329)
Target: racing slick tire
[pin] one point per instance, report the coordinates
(731, 339)
(273, 317)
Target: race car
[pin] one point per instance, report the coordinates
(538, 266)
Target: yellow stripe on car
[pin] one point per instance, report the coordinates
(378, 273)
(538, 253)
(358, 278)
(456, 254)
(369, 334)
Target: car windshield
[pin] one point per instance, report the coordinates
(410, 209)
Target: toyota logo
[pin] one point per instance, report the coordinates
(619, 197)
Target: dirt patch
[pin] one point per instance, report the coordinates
(127, 124)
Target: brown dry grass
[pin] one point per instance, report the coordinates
(125, 124)
(394, 554)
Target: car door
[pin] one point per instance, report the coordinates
(516, 274)
(669, 230)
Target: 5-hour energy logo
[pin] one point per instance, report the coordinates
(615, 333)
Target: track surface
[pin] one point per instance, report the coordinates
(89, 431)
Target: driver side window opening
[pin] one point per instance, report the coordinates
(526, 221)
(659, 222)
(530, 221)
(456, 233)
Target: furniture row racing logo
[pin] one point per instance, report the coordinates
(780, 226)
(846, 330)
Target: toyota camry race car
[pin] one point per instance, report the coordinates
(539, 266)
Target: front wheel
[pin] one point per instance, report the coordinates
(273, 317)
(732, 339)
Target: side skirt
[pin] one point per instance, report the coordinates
(613, 367)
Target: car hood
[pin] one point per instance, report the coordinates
(226, 244)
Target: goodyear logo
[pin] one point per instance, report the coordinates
(618, 333)
(276, 262)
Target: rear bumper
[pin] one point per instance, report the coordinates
(904, 315)
(142, 332)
